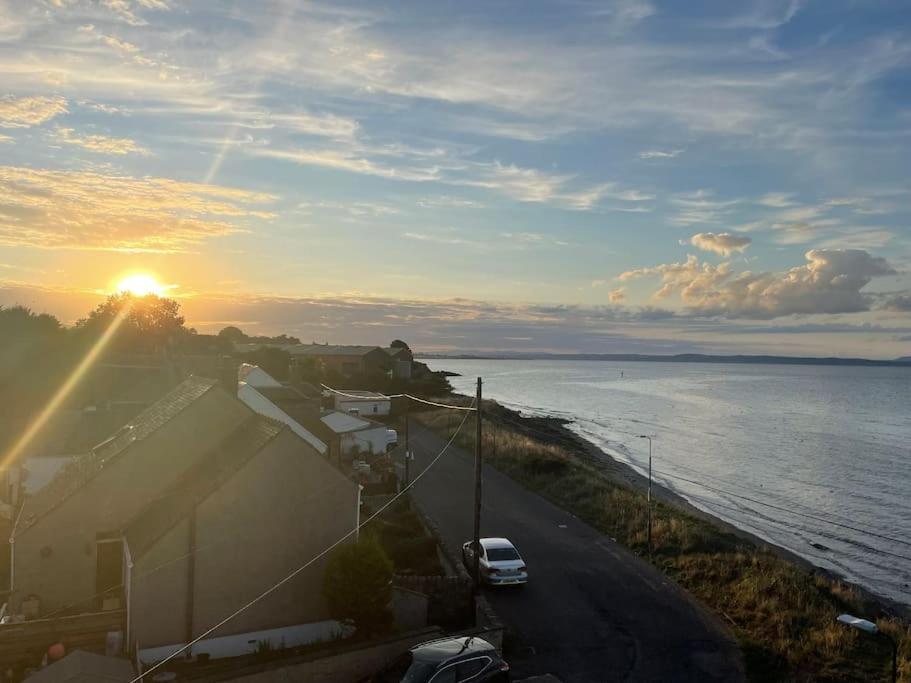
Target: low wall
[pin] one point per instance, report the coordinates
(450, 601)
(348, 666)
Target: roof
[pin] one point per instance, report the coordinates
(255, 376)
(83, 468)
(445, 649)
(195, 485)
(342, 423)
(257, 402)
(287, 393)
(330, 350)
(85, 667)
(361, 395)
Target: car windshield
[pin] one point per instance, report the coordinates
(502, 554)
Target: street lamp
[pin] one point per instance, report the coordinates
(872, 629)
(649, 495)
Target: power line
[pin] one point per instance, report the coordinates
(391, 396)
(304, 566)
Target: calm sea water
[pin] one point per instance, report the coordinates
(813, 458)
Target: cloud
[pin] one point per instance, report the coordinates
(830, 282)
(660, 154)
(694, 208)
(899, 302)
(617, 296)
(723, 243)
(99, 143)
(24, 112)
(84, 210)
(777, 200)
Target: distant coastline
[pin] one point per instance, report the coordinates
(904, 362)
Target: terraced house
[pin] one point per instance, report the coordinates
(180, 517)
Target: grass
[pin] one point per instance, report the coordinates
(402, 535)
(783, 615)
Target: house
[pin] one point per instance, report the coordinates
(192, 508)
(258, 402)
(402, 360)
(256, 377)
(356, 435)
(349, 361)
(247, 515)
(301, 401)
(366, 403)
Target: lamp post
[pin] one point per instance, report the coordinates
(872, 629)
(649, 495)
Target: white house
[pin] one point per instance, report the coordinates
(366, 403)
(355, 434)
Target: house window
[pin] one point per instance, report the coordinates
(109, 565)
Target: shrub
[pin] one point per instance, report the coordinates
(358, 586)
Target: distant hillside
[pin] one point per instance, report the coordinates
(678, 358)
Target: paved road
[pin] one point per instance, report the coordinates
(592, 611)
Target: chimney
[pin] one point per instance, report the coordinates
(227, 374)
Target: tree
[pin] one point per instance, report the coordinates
(233, 334)
(151, 322)
(20, 321)
(358, 586)
(399, 344)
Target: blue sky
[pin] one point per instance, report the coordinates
(581, 176)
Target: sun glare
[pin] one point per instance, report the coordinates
(140, 284)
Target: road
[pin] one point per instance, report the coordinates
(592, 611)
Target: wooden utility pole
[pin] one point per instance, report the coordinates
(478, 462)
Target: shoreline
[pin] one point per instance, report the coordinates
(556, 430)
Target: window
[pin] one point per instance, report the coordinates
(502, 554)
(467, 670)
(446, 675)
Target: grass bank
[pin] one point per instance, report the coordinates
(782, 614)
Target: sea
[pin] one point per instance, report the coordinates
(813, 458)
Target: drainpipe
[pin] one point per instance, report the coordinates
(12, 552)
(357, 519)
(128, 592)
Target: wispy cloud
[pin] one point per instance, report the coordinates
(723, 243)
(24, 112)
(660, 154)
(100, 144)
(83, 210)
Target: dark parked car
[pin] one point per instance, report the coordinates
(448, 660)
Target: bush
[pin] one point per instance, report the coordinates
(358, 586)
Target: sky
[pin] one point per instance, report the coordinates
(626, 176)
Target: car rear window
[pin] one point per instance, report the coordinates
(502, 554)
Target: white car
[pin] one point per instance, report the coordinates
(500, 562)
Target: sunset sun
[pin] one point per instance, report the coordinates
(140, 284)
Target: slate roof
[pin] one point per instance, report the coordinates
(330, 350)
(200, 481)
(83, 468)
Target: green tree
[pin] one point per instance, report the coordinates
(233, 334)
(151, 322)
(399, 344)
(358, 586)
(20, 321)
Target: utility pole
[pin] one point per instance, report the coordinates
(478, 461)
(649, 495)
(407, 442)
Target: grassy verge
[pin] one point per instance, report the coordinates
(783, 615)
(402, 535)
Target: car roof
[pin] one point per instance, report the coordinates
(444, 649)
(488, 543)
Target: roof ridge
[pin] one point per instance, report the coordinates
(75, 475)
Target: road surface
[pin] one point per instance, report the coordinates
(592, 610)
